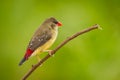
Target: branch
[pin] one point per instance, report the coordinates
(96, 26)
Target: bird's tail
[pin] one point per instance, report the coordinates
(22, 61)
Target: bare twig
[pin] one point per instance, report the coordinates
(96, 26)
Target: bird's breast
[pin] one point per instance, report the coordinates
(50, 42)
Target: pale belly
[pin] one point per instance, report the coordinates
(46, 46)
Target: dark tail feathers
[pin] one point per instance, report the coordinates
(22, 61)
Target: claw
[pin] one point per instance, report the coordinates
(49, 52)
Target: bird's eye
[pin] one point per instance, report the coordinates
(55, 22)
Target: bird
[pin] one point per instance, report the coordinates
(42, 39)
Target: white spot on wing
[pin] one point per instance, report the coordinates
(39, 40)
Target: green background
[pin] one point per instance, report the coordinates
(92, 56)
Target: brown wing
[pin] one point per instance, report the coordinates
(39, 40)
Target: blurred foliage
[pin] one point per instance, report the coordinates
(92, 56)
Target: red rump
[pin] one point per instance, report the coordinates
(28, 53)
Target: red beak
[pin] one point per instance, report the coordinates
(59, 24)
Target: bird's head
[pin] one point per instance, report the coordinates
(53, 22)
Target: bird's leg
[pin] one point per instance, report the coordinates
(38, 58)
(49, 52)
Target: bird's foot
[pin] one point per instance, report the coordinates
(49, 52)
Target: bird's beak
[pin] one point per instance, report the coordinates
(59, 24)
